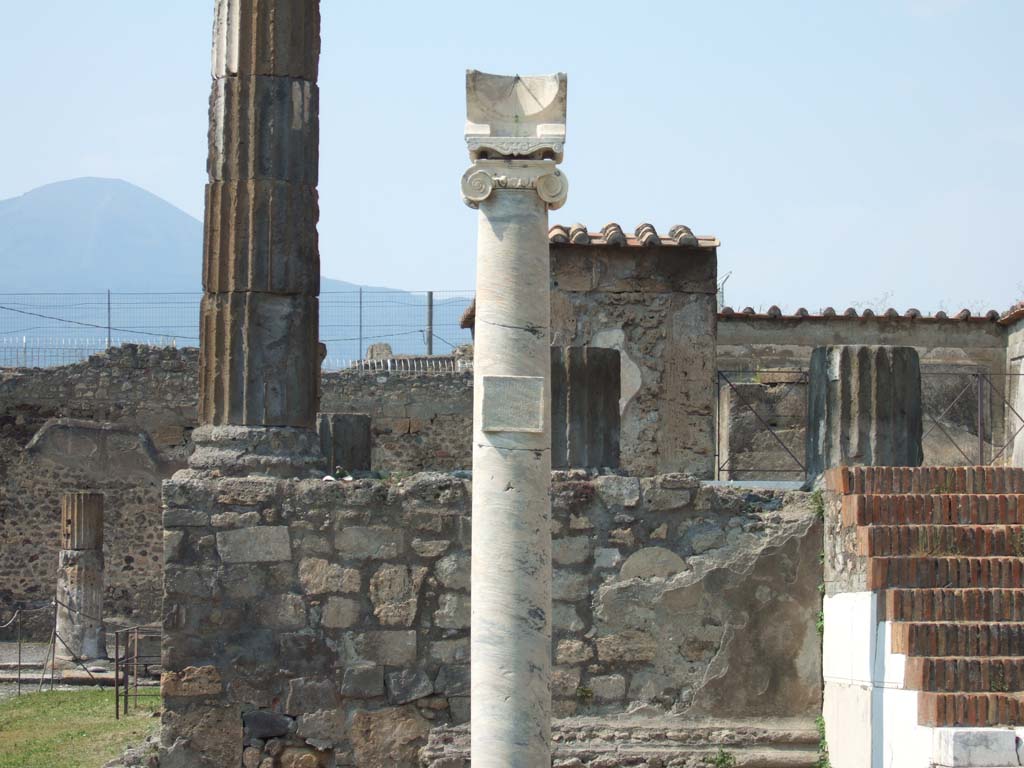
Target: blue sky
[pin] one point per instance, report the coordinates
(844, 152)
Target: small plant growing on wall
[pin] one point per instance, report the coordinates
(723, 759)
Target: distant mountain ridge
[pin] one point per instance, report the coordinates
(95, 234)
(91, 235)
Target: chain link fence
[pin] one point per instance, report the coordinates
(48, 329)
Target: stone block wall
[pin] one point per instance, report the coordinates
(419, 420)
(1015, 388)
(657, 306)
(762, 426)
(329, 622)
(950, 351)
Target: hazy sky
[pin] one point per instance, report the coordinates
(843, 152)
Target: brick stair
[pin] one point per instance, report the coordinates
(945, 548)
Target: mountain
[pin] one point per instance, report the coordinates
(91, 235)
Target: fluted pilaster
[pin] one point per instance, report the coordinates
(864, 407)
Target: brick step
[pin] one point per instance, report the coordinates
(938, 638)
(973, 709)
(954, 604)
(932, 509)
(941, 540)
(951, 674)
(945, 572)
(925, 479)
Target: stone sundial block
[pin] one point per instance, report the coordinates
(508, 116)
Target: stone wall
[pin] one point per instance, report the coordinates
(118, 423)
(656, 305)
(329, 621)
(951, 350)
(1015, 367)
(419, 420)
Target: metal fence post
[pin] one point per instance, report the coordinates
(430, 322)
(981, 427)
(360, 355)
(108, 318)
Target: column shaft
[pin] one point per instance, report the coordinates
(80, 578)
(511, 575)
(260, 361)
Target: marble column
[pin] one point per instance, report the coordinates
(515, 132)
(80, 578)
(259, 353)
(864, 408)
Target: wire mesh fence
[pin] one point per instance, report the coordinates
(48, 329)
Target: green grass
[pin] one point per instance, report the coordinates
(70, 729)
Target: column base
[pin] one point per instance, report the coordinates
(285, 452)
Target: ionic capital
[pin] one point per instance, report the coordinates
(542, 176)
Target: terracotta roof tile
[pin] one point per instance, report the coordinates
(644, 236)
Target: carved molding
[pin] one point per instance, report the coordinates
(541, 176)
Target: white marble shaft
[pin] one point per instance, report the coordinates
(511, 572)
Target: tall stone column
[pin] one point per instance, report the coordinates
(259, 356)
(80, 578)
(864, 408)
(515, 131)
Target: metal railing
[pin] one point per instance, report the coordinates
(48, 329)
(975, 415)
(134, 664)
(792, 385)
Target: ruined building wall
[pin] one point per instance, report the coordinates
(419, 420)
(1015, 365)
(132, 410)
(950, 350)
(657, 306)
(333, 618)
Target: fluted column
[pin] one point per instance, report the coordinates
(259, 361)
(864, 408)
(515, 134)
(80, 578)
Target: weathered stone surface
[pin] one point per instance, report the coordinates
(449, 651)
(264, 724)
(202, 736)
(191, 681)
(267, 370)
(341, 612)
(264, 128)
(453, 571)
(652, 562)
(452, 611)
(394, 592)
(389, 737)
(630, 645)
(619, 491)
(363, 681)
(324, 728)
(864, 408)
(374, 543)
(318, 577)
(255, 38)
(310, 695)
(571, 550)
(260, 235)
(569, 586)
(81, 520)
(79, 620)
(608, 687)
(573, 652)
(564, 682)
(405, 685)
(394, 648)
(304, 757)
(453, 680)
(282, 612)
(263, 544)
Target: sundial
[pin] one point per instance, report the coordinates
(515, 115)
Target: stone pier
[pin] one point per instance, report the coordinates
(864, 408)
(515, 131)
(260, 361)
(80, 578)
